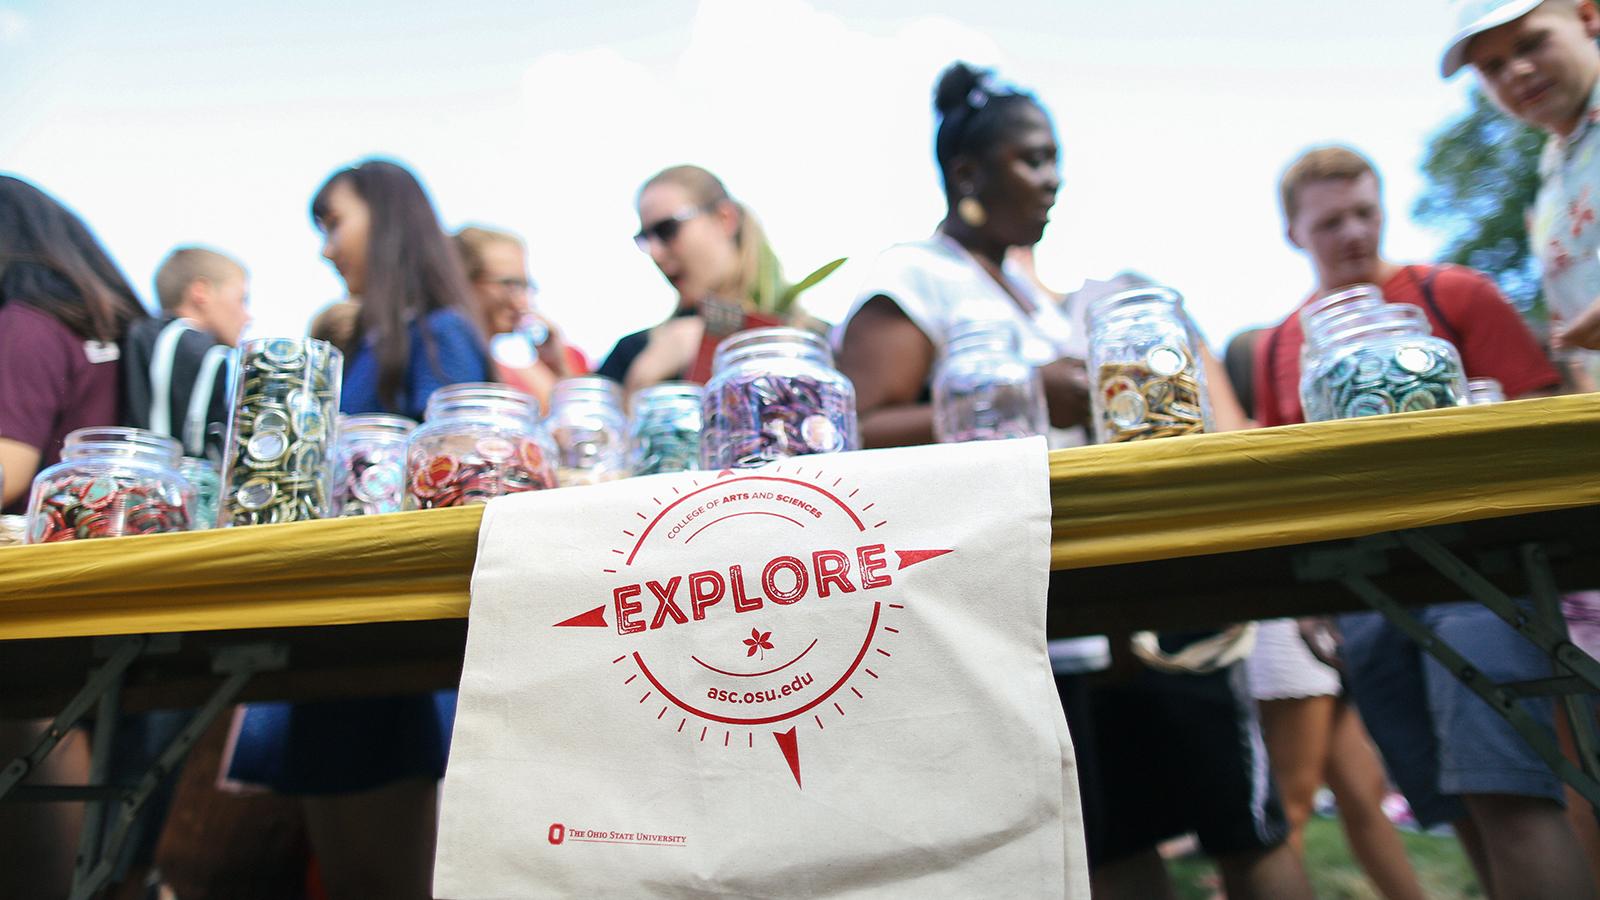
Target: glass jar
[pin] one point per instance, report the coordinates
(1356, 296)
(281, 432)
(206, 477)
(479, 441)
(1146, 380)
(983, 390)
(369, 464)
(1383, 360)
(1315, 316)
(589, 429)
(1482, 391)
(664, 432)
(111, 482)
(774, 394)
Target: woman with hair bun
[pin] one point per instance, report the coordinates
(1158, 755)
(997, 153)
(714, 253)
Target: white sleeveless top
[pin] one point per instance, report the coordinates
(938, 285)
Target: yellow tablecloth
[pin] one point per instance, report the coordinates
(1123, 503)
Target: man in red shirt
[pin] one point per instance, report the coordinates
(1332, 210)
(1455, 759)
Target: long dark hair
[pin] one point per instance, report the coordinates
(411, 272)
(50, 261)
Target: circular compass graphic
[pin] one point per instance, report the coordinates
(791, 625)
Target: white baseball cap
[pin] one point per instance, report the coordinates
(1474, 17)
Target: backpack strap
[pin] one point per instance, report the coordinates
(194, 426)
(162, 357)
(1425, 285)
(1274, 338)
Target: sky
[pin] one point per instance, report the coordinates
(167, 123)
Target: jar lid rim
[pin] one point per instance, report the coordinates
(774, 339)
(121, 435)
(1333, 323)
(376, 420)
(1108, 306)
(669, 388)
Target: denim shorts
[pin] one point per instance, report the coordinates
(1439, 739)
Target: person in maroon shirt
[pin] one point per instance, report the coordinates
(1452, 756)
(1333, 211)
(63, 307)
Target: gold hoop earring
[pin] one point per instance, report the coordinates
(972, 212)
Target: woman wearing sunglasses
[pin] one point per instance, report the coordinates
(710, 248)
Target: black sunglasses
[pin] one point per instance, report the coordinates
(511, 284)
(666, 229)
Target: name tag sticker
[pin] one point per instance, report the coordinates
(98, 352)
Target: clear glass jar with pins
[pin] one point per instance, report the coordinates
(1146, 377)
(281, 432)
(590, 430)
(478, 441)
(1317, 317)
(1382, 360)
(664, 430)
(1484, 391)
(111, 482)
(206, 476)
(983, 390)
(774, 394)
(369, 464)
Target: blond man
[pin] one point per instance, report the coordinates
(1454, 758)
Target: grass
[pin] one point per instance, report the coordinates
(1441, 866)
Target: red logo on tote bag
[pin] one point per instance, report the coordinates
(794, 623)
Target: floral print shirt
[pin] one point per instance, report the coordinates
(1563, 231)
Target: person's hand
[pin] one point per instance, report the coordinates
(553, 352)
(1322, 638)
(1582, 334)
(1066, 392)
(672, 348)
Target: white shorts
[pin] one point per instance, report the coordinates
(1281, 667)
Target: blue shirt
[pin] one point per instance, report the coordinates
(459, 355)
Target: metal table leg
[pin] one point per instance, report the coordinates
(98, 850)
(1577, 705)
(94, 811)
(1576, 675)
(101, 679)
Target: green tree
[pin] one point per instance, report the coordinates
(1482, 171)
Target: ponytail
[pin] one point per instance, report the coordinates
(760, 282)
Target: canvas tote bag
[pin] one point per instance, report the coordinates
(821, 678)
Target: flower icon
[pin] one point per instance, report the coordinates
(758, 641)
